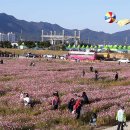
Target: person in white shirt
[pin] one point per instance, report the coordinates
(27, 100)
(121, 118)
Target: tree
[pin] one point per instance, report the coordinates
(30, 44)
(44, 44)
(5, 44)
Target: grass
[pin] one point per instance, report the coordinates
(22, 127)
(2, 92)
(19, 51)
(36, 115)
(4, 110)
(65, 121)
(106, 120)
(5, 78)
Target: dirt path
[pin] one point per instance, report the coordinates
(115, 127)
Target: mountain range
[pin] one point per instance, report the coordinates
(32, 31)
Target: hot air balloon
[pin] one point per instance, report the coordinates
(110, 17)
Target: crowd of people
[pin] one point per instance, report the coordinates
(74, 106)
(8, 54)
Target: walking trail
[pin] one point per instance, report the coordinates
(115, 127)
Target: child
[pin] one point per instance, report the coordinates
(93, 119)
(27, 100)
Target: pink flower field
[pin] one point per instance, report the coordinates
(41, 80)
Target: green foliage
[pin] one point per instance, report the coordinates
(6, 78)
(51, 123)
(63, 47)
(45, 44)
(4, 110)
(23, 119)
(63, 107)
(29, 44)
(68, 81)
(2, 92)
(42, 125)
(106, 120)
(5, 44)
(26, 128)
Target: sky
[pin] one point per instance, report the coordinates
(70, 14)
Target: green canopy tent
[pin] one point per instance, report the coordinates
(87, 47)
(95, 47)
(68, 47)
(110, 47)
(119, 47)
(106, 47)
(77, 47)
(82, 48)
(128, 47)
(99, 47)
(124, 47)
(114, 48)
(91, 47)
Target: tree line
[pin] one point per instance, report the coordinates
(29, 44)
(33, 44)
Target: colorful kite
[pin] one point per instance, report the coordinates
(110, 17)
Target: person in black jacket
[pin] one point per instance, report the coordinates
(116, 76)
(71, 103)
(85, 98)
(91, 69)
(1, 61)
(96, 75)
(83, 72)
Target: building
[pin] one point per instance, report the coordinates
(3, 37)
(11, 37)
(53, 37)
(7, 37)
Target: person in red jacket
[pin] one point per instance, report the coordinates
(77, 108)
